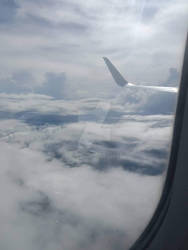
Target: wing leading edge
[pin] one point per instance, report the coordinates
(115, 73)
(120, 80)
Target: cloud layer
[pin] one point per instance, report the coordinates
(70, 208)
(78, 174)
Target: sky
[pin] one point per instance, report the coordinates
(145, 39)
(83, 161)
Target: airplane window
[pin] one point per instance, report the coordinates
(88, 93)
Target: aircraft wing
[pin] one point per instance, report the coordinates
(115, 73)
(121, 81)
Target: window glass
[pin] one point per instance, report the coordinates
(85, 140)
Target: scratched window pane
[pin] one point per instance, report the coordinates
(87, 99)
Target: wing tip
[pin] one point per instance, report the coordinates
(119, 79)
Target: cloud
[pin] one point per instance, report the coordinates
(123, 100)
(66, 170)
(52, 206)
(24, 82)
(8, 10)
(146, 101)
(18, 82)
(173, 78)
(54, 86)
(160, 103)
(80, 132)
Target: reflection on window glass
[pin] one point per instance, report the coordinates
(84, 142)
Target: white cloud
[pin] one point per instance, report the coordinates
(55, 206)
(80, 184)
(87, 131)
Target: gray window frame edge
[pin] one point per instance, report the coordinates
(168, 228)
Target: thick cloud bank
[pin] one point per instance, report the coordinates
(83, 174)
(46, 205)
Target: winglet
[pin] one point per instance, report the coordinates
(115, 73)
